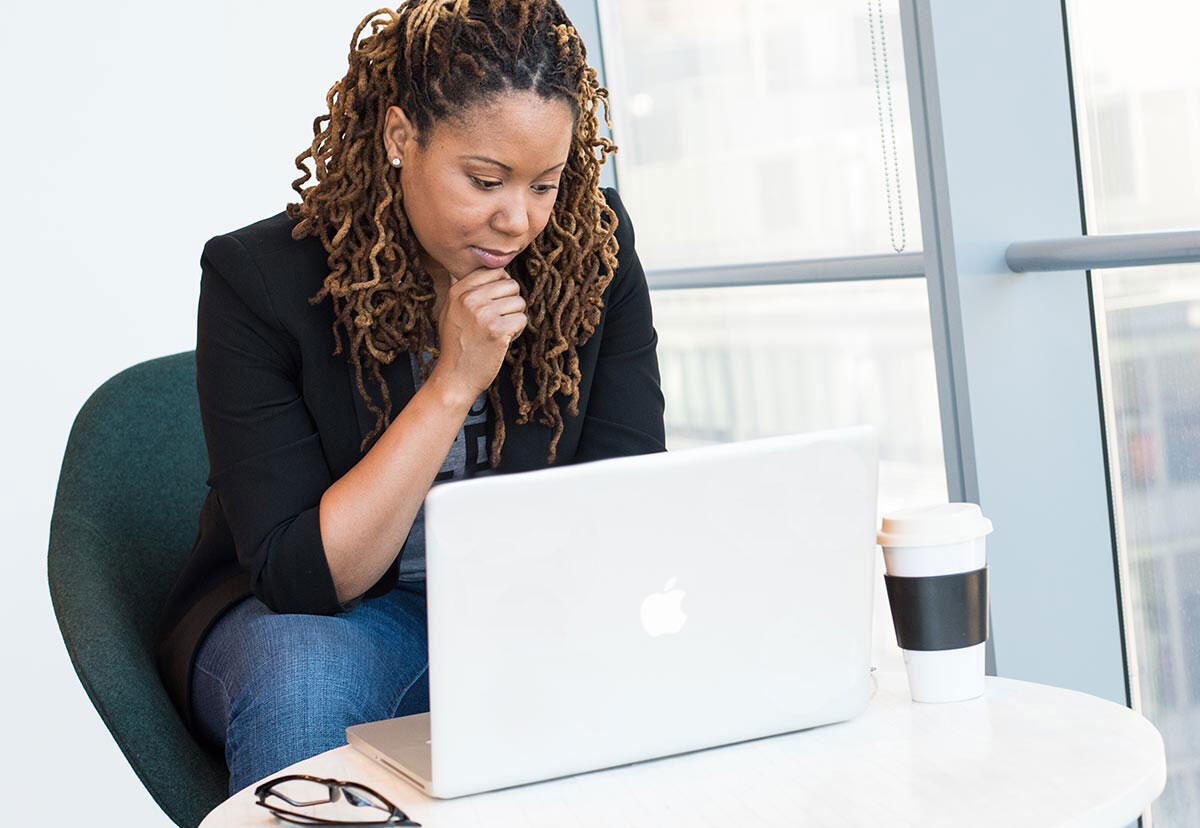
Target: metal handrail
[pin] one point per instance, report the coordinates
(1100, 252)
(838, 269)
(1080, 253)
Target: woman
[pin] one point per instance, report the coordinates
(489, 291)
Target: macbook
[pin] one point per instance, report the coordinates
(593, 615)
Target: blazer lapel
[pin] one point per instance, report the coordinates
(525, 446)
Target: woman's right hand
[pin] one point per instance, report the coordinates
(482, 314)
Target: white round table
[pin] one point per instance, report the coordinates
(1021, 754)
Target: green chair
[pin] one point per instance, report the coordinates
(125, 517)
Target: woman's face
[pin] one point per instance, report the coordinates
(483, 188)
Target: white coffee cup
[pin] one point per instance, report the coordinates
(921, 544)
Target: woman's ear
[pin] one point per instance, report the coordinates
(398, 131)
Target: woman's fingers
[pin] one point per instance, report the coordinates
(491, 291)
(510, 326)
(480, 276)
(507, 305)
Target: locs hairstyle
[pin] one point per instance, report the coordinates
(435, 58)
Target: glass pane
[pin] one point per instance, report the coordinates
(1138, 107)
(750, 130)
(1151, 358)
(747, 362)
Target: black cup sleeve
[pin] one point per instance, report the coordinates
(939, 612)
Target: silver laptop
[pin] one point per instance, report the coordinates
(594, 615)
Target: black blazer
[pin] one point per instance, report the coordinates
(283, 420)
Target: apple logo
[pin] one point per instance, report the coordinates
(661, 614)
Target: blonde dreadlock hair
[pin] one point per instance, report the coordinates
(435, 58)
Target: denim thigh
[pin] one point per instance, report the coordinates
(271, 689)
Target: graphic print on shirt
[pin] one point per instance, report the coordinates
(469, 454)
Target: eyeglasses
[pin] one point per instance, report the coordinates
(298, 791)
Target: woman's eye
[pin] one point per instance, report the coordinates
(485, 184)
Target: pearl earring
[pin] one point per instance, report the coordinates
(396, 162)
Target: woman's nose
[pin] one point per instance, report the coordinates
(512, 218)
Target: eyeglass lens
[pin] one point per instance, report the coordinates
(318, 800)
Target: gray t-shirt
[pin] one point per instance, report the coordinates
(468, 457)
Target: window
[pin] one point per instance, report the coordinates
(739, 363)
(1137, 96)
(749, 131)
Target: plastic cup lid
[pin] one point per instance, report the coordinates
(933, 525)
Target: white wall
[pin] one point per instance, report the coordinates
(133, 132)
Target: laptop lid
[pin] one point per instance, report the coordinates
(587, 616)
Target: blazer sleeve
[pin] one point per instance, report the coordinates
(266, 463)
(625, 406)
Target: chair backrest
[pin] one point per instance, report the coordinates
(125, 518)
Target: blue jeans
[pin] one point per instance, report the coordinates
(274, 688)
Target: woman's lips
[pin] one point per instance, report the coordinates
(492, 258)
